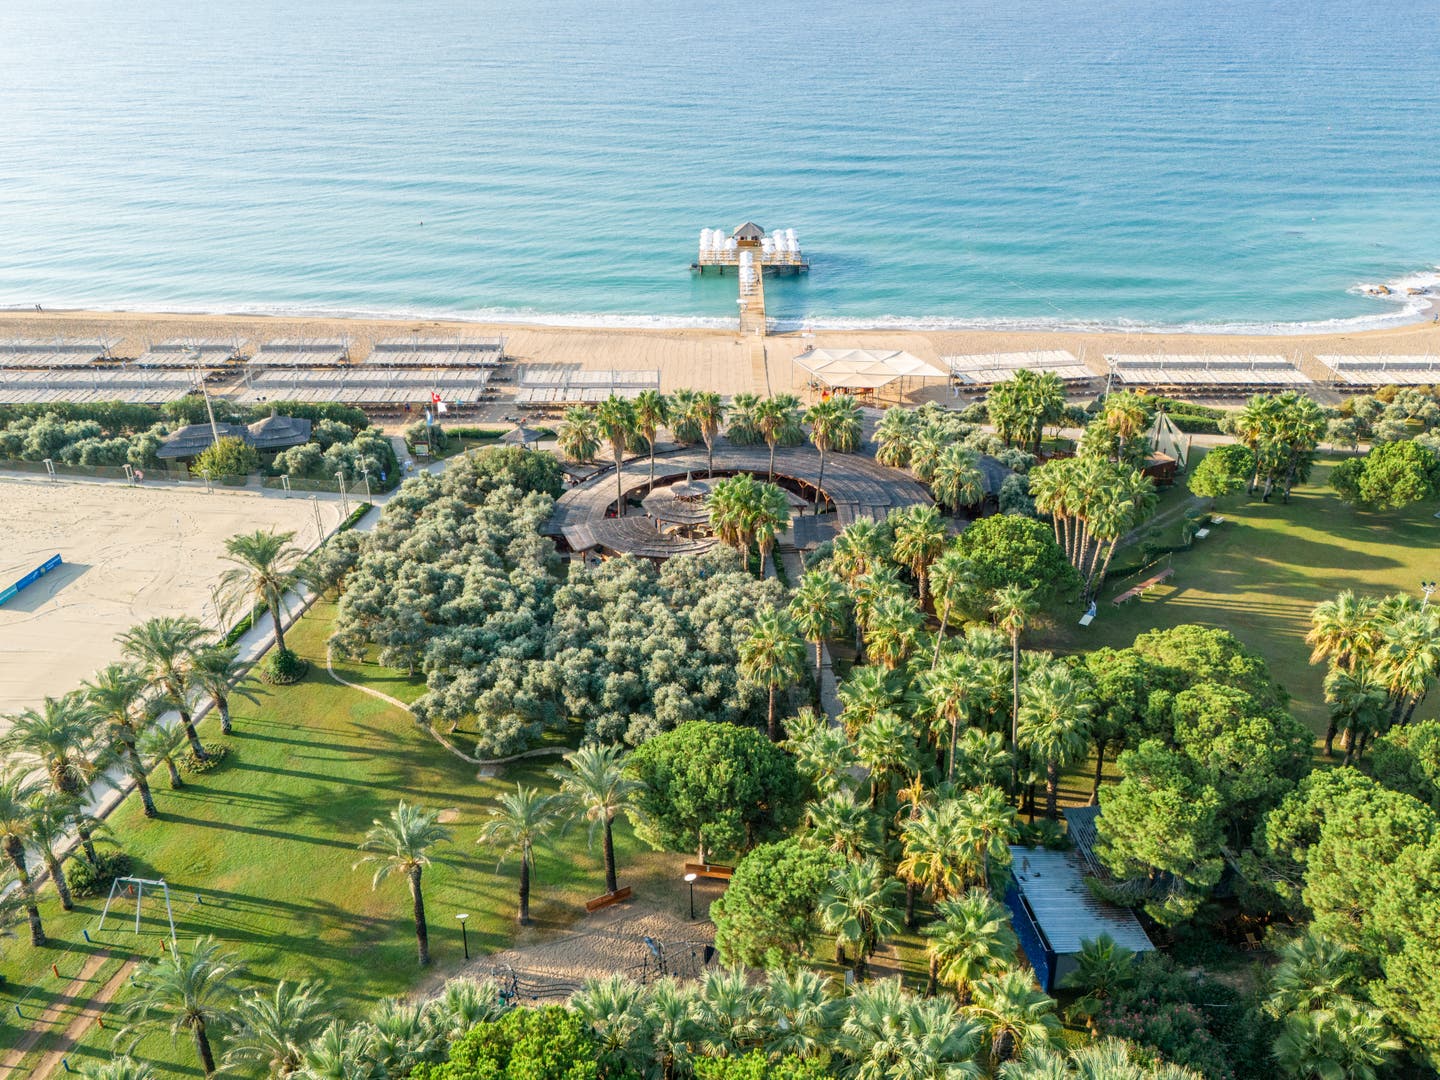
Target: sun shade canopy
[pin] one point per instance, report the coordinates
(865, 369)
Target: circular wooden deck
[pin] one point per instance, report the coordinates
(856, 484)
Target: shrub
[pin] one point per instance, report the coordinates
(215, 753)
(229, 457)
(282, 668)
(87, 881)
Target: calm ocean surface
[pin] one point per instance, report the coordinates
(1050, 162)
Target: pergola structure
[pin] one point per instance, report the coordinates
(864, 369)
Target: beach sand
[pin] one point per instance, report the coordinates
(708, 359)
(129, 554)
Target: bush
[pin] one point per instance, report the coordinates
(215, 753)
(546, 1043)
(229, 457)
(282, 668)
(87, 881)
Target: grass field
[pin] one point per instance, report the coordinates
(267, 842)
(1261, 573)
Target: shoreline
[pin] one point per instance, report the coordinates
(711, 358)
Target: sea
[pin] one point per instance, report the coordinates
(1229, 165)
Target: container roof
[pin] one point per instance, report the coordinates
(1065, 909)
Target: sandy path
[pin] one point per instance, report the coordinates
(75, 991)
(94, 1009)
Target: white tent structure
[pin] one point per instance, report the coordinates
(865, 369)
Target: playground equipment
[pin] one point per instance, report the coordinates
(136, 887)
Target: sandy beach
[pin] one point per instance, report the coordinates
(707, 359)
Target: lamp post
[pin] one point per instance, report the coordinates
(690, 880)
(1426, 587)
(464, 937)
(344, 498)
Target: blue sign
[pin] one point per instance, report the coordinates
(30, 578)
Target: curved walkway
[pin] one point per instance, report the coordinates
(858, 486)
(542, 751)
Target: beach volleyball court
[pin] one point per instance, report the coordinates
(129, 553)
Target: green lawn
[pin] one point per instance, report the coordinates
(1261, 573)
(267, 842)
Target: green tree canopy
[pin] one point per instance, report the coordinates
(1223, 471)
(546, 1043)
(715, 787)
(1392, 475)
(1007, 550)
(770, 908)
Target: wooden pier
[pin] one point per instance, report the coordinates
(751, 253)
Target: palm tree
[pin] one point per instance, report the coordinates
(818, 611)
(823, 752)
(194, 993)
(1346, 1041)
(401, 844)
(157, 745)
(834, 425)
(886, 747)
(683, 424)
(164, 648)
(727, 1011)
(770, 516)
(775, 417)
(1409, 659)
(59, 738)
(956, 480)
(797, 1014)
(275, 1028)
(859, 906)
(920, 537)
(652, 411)
(707, 412)
(49, 829)
(951, 577)
(893, 633)
(523, 817)
(1012, 608)
(743, 428)
(985, 826)
(1344, 631)
(217, 671)
(894, 435)
(1102, 967)
(1313, 970)
(615, 420)
(867, 693)
(578, 437)
(859, 550)
(970, 939)
(266, 568)
(1014, 1013)
(17, 822)
(463, 1004)
(772, 656)
(730, 506)
(1054, 725)
(980, 758)
(117, 693)
(123, 1067)
(929, 860)
(613, 1009)
(839, 823)
(1357, 703)
(593, 785)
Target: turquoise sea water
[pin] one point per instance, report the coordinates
(1050, 162)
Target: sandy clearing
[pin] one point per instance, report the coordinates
(130, 554)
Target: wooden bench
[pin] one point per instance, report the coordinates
(608, 899)
(1148, 583)
(710, 870)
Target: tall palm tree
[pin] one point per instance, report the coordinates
(1015, 1013)
(893, 631)
(930, 858)
(266, 568)
(274, 1029)
(894, 435)
(971, 938)
(683, 424)
(1312, 970)
(1409, 659)
(614, 1009)
(798, 1016)
(49, 829)
(123, 1067)
(578, 437)
(742, 428)
(401, 844)
(860, 549)
(949, 691)
(217, 671)
(1012, 608)
(192, 992)
(956, 479)
(834, 425)
(615, 420)
(775, 416)
(59, 738)
(985, 826)
(730, 506)
(920, 538)
(886, 747)
(117, 693)
(164, 648)
(1357, 703)
(772, 656)
(708, 413)
(157, 745)
(593, 785)
(1102, 967)
(769, 517)
(1345, 1041)
(1054, 725)
(652, 412)
(17, 821)
(818, 611)
(951, 577)
(1344, 631)
(859, 905)
(523, 818)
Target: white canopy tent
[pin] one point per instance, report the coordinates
(865, 369)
